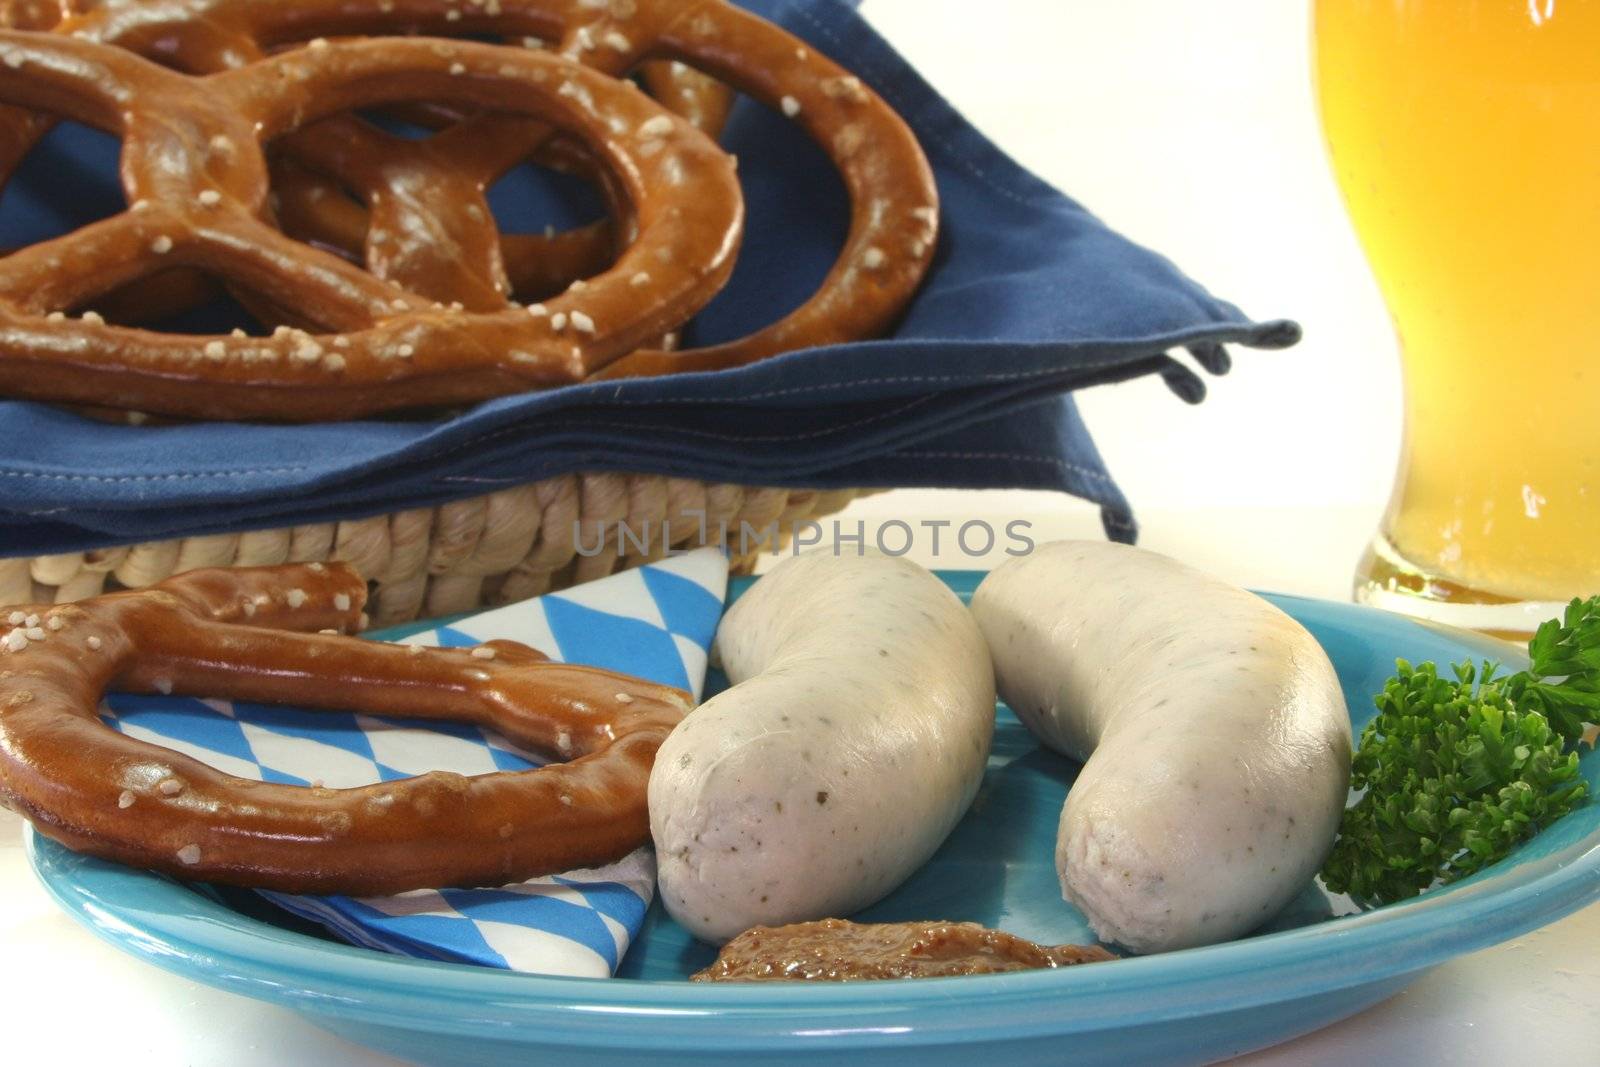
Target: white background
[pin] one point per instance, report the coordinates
(1189, 126)
(1192, 128)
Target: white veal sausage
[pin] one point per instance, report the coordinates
(852, 740)
(1215, 738)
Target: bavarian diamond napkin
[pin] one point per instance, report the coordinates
(655, 622)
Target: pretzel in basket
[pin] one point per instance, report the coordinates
(226, 634)
(315, 208)
(438, 187)
(197, 185)
(430, 227)
(894, 204)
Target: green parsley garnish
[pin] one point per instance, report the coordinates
(1456, 771)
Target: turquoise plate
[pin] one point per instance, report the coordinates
(1314, 964)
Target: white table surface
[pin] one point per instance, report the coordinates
(1188, 126)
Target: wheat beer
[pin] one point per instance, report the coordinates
(1465, 135)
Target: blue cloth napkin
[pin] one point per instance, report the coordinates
(1030, 297)
(655, 621)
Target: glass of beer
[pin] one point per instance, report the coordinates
(1465, 135)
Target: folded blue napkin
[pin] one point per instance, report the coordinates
(656, 622)
(1030, 297)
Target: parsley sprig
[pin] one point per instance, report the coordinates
(1455, 771)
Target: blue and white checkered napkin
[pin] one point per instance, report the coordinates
(655, 622)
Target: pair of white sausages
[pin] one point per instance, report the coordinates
(855, 735)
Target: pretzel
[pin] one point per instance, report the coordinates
(432, 230)
(427, 223)
(197, 185)
(894, 205)
(454, 257)
(224, 633)
(315, 209)
(313, 206)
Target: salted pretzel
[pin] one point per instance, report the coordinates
(316, 209)
(427, 223)
(225, 633)
(894, 203)
(429, 197)
(894, 212)
(348, 154)
(197, 185)
(431, 229)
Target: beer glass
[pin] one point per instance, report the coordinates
(1465, 136)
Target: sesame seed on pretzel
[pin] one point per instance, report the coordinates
(228, 633)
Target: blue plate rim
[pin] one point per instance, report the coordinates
(221, 947)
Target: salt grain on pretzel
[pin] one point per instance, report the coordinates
(111, 795)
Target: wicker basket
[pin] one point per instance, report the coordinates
(428, 562)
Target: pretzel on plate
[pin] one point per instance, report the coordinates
(226, 633)
(197, 186)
